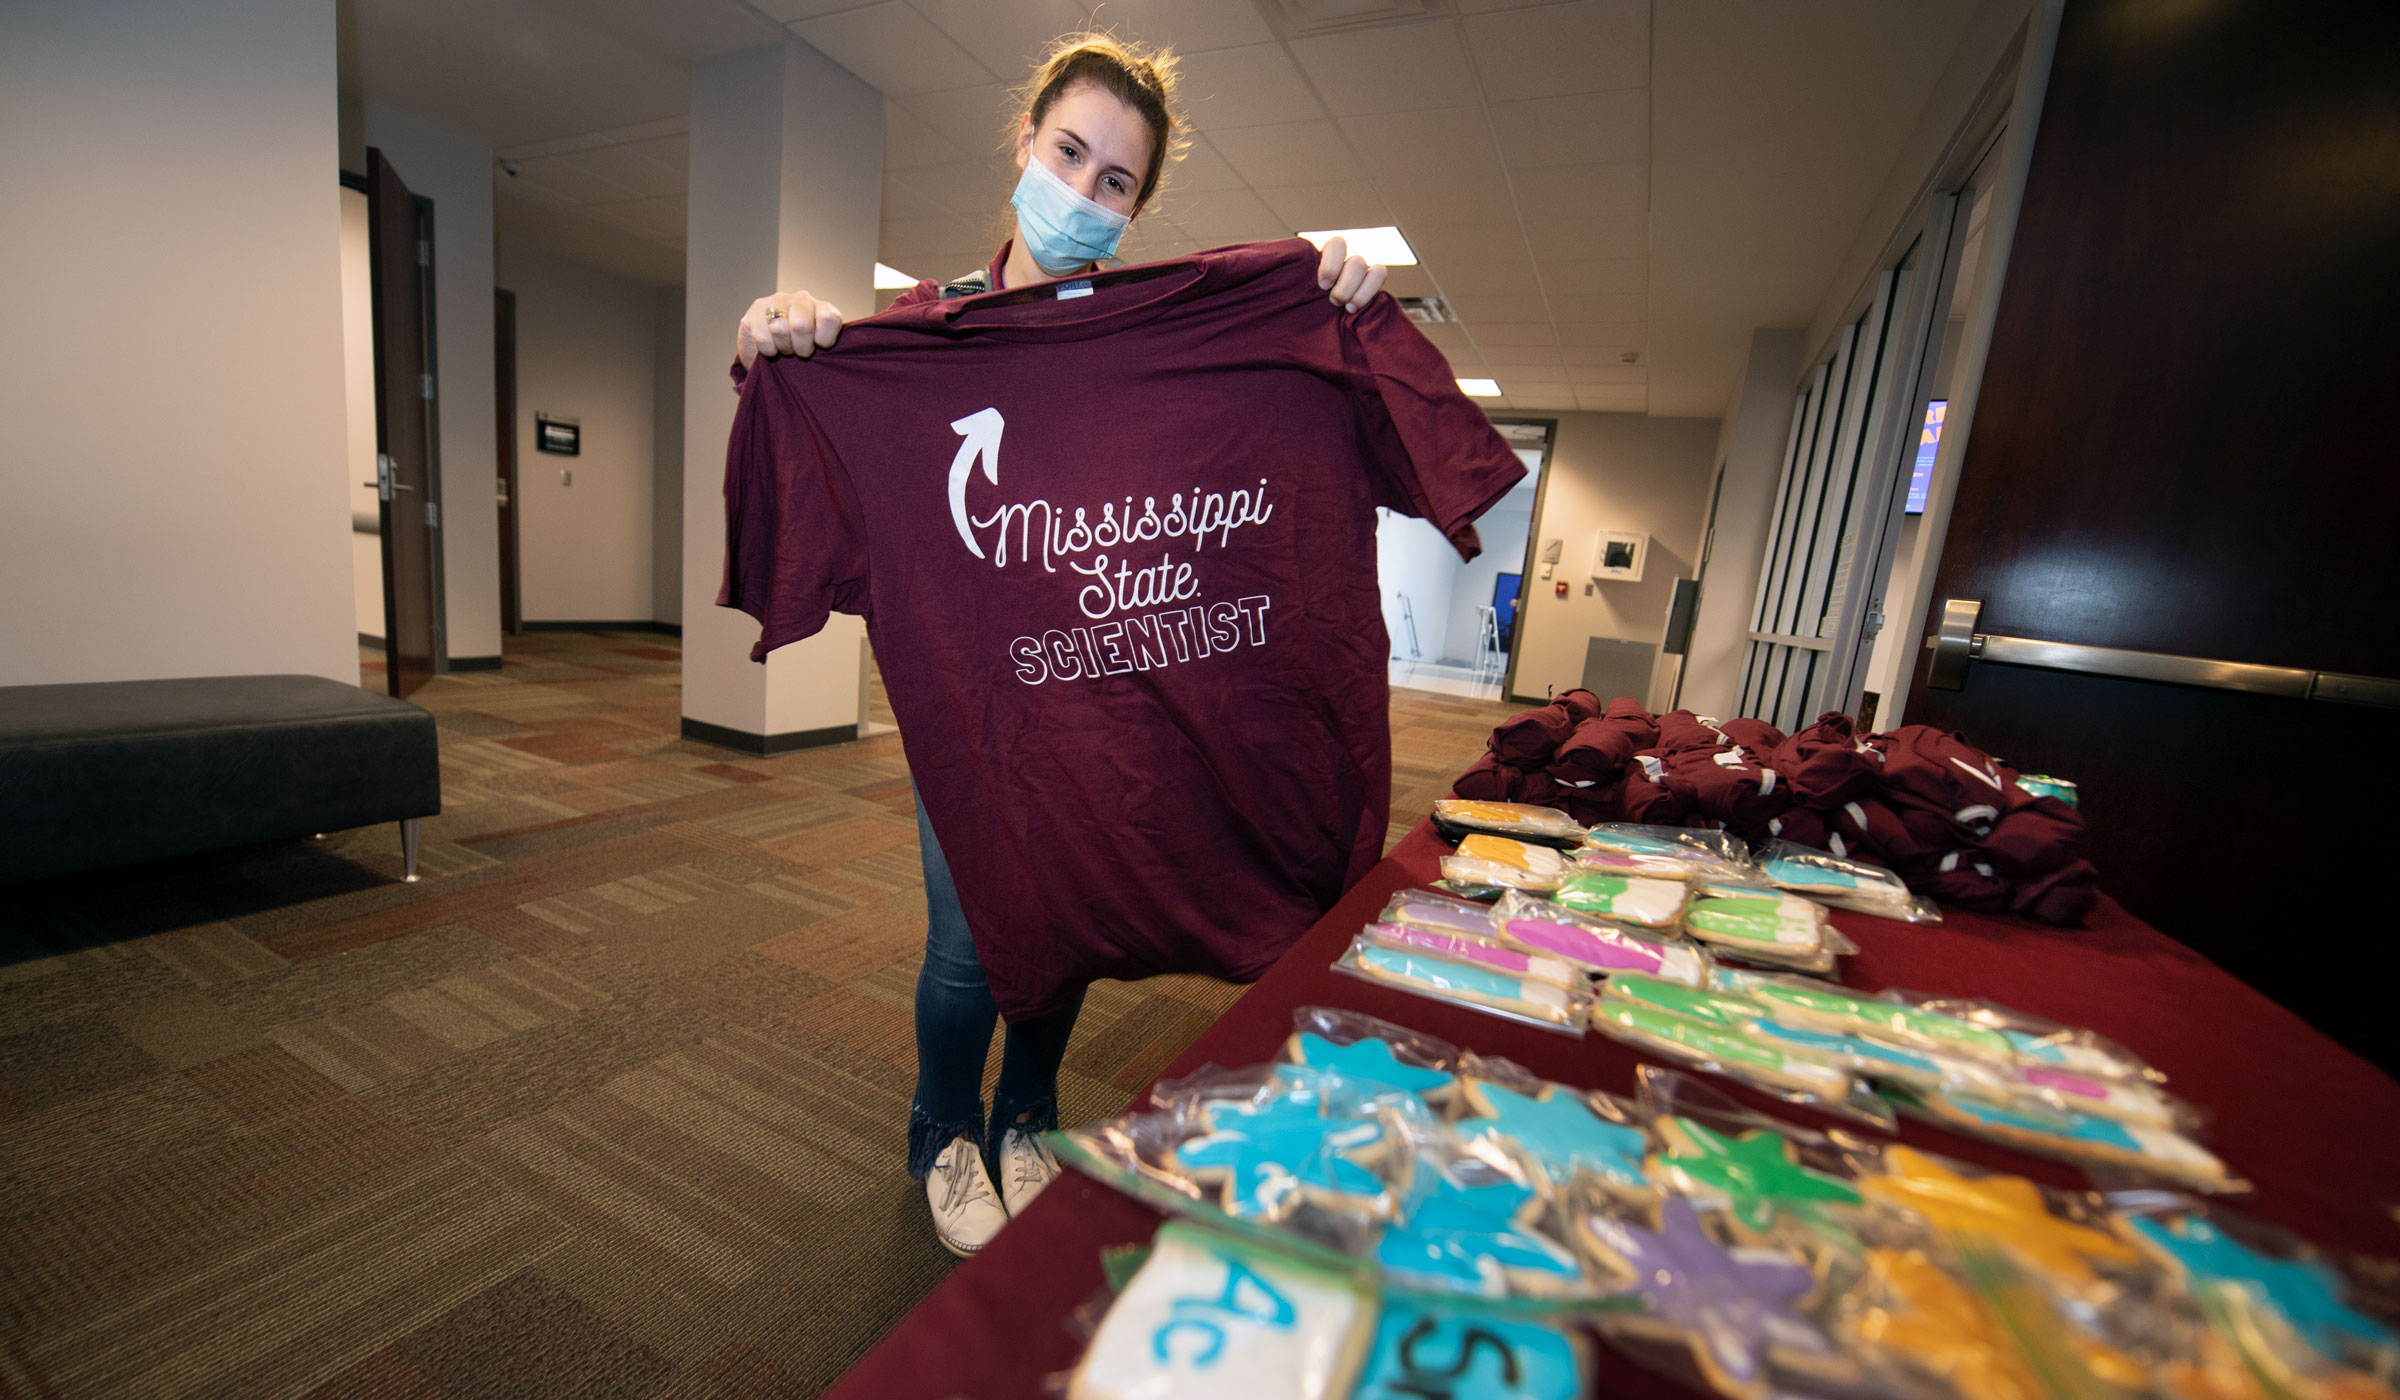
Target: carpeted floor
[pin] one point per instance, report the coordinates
(610, 1104)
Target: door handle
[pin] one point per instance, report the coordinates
(1956, 643)
(384, 482)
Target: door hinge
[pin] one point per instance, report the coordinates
(425, 386)
(1874, 619)
(424, 253)
(433, 515)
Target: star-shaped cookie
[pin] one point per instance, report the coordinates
(1269, 1155)
(1730, 1305)
(1473, 1238)
(1755, 1174)
(1558, 1131)
(2306, 1292)
(2008, 1209)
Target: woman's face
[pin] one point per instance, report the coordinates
(1095, 143)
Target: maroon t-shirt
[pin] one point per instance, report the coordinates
(1117, 556)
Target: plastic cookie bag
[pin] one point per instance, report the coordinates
(1477, 878)
(2087, 1139)
(1649, 1014)
(1479, 952)
(1488, 989)
(1475, 1226)
(1455, 816)
(2275, 1304)
(1208, 1314)
(1709, 854)
(1439, 913)
(1654, 904)
(1347, 1052)
(1844, 883)
(1554, 1133)
(1426, 1347)
(1765, 926)
(1595, 945)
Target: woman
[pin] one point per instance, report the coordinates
(1092, 145)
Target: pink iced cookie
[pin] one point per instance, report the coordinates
(1606, 950)
(1470, 950)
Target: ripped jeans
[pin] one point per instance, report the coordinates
(955, 1017)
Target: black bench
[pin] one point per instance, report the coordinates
(121, 771)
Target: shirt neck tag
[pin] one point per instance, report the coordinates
(1074, 289)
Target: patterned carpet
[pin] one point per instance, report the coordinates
(610, 1104)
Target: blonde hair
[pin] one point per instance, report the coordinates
(1141, 77)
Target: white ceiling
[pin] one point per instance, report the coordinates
(1609, 194)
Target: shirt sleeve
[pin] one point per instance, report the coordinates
(795, 550)
(1434, 454)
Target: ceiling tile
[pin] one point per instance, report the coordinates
(1292, 153)
(1476, 7)
(1446, 200)
(1252, 86)
(893, 48)
(567, 183)
(1229, 216)
(908, 142)
(619, 165)
(1402, 69)
(1347, 204)
(1612, 400)
(1590, 127)
(1443, 243)
(1523, 333)
(973, 119)
(1633, 307)
(1478, 309)
(1587, 356)
(1408, 282)
(926, 234)
(1201, 168)
(966, 187)
(1589, 46)
(1494, 277)
(1595, 276)
(1632, 335)
(1525, 392)
(1583, 191)
(1009, 39)
(1448, 338)
(1418, 146)
(1586, 239)
(1607, 376)
(1541, 357)
(785, 11)
(1191, 26)
(645, 218)
(673, 152)
(903, 200)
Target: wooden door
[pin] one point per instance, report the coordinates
(2182, 444)
(504, 362)
(399, 253)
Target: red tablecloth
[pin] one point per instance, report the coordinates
(2316, 1128)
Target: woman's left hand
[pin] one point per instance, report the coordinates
(1353, 282)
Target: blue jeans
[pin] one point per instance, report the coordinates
(955, 1016)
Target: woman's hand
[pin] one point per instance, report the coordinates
(1352, 281)
(795, 323)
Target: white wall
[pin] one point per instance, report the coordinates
(1613, 471)
(586, 350)
(666, 458)
(358, 409)
(456, 174)
(170, 506)
(1750, 449)
(1413, 558)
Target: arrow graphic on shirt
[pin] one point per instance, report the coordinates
(982, 434)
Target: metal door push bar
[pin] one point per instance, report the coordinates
(1958, 643)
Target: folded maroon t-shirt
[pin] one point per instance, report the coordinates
(1117, 555)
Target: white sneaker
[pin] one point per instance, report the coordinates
(1026, 1166)
(966, 1211)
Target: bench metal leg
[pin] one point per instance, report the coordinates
(408, 849)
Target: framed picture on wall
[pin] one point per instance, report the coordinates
(1617, 555)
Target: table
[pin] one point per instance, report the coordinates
(2312, 1125)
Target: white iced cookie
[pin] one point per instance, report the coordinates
(1203, 1321)
(1537, 860)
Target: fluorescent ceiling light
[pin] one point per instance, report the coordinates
(1479, 388)
(1381, 246)
(892, 279)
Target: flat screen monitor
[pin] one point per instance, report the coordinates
(1928, 443)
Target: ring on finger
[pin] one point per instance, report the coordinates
(775, 313)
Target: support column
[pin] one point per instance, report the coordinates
(786, 194)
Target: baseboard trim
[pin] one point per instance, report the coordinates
(767, 745)
(370, 643)
(670, 629)
(474, 663)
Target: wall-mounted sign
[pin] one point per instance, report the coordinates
(1617, 554)
(563, 436)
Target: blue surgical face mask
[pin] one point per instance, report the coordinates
(1063, 231)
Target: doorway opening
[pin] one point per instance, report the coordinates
(1453, 625)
